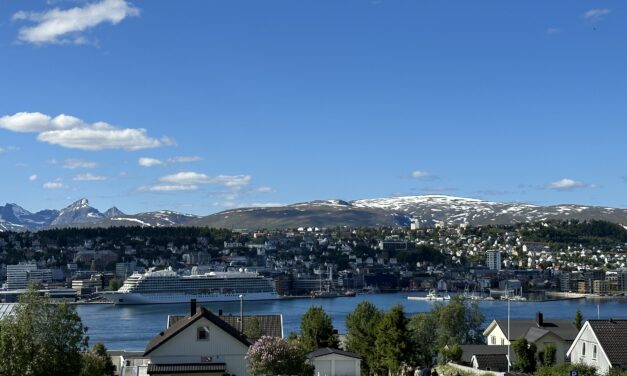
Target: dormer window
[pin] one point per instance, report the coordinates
(202, 333)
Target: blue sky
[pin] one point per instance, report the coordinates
(199, 106)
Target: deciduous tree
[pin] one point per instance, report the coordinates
(316, 330)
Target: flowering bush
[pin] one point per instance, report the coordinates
(275, 356)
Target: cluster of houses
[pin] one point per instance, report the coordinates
(206, 343)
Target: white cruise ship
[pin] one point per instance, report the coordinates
(166, 286)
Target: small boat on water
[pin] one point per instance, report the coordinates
(433, 295)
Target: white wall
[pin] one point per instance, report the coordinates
(601, 363)
(336, 365)
(221, 347)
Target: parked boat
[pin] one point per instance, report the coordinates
(433, 295)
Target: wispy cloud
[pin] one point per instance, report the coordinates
(32, 177)
(184, 159)
(553, 30)
(152, 162)
(67, 26)
(567, 184)
(56, 184)
(596, 15)
(7, 149)
(422, 175)
(191, 180)
(89, 177)
(72, 164)
(71, 132)
(263, 190)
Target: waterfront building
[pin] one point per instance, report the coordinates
(601, 287)
(559, 333)
(601, 344)
(493, 260)
(21, 275)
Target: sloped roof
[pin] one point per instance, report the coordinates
(491, 361)
(564, 329)
(328, 351)
(186, 321)
(270, 325)
(469, 350)
(612, 336)
(157, 369)
(6, 309)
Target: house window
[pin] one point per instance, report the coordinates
(502, 341)
(583, 349)
(493, 340)
(202, 333)
(594, 352)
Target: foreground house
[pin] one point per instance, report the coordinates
(601, 344)
(559, 333)
(205, 344)
(333, 362)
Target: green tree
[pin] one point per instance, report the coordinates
(253, 328)
(97, 362)
(41, 338)
(549, 355)
(564, 369)
(115, 284)
(456, 323)
(578, 320)
(393, 346)
(316, 330)
(525, 355)
(361, 325)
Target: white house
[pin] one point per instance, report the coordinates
(601, 344)
(333, 362)
(558, 333)
(205, 344)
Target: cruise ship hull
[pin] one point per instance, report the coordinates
(130, 298)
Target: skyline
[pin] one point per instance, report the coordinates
(256, 103)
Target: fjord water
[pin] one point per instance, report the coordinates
(130, 327)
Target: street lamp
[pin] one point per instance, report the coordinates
(241, 313)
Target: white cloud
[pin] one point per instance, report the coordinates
(72, 164)
(71, 132)
(32, 177)
(567, 184)
(184, 159)
(553, 30)
(190, 177)
(100, 139)
(264, 189)
(65, 26)
(187, 177)
(596, 15)
(89, 177)
(57, 184)
(422, 175)
(171, 187)
(149, 162)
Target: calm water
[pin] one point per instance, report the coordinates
(130, 327)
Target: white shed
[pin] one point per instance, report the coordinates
(333, 362)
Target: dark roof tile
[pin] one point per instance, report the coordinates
(612, 335)
(157, 369)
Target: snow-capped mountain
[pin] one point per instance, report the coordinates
(427, 211)
(81, 214)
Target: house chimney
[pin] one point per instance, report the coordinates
(192, 307)
(539, 319)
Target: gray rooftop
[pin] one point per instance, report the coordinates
(612, 335)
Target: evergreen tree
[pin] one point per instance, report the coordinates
(317, 330)
(525, 355)
(253, 328)
(549, 355)
(578, 320)
(393, 347)
(361, 325)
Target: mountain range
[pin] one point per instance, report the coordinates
(426, 210)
